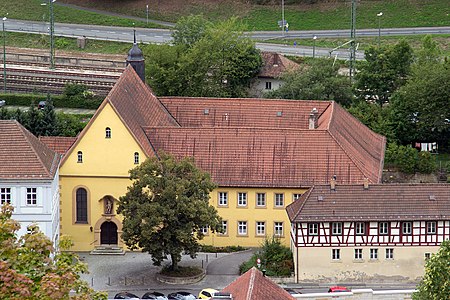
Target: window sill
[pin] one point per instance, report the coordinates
(358, 260)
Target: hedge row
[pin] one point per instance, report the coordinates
(58, 100)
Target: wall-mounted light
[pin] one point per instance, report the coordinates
(91, 229)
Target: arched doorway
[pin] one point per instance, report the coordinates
(108, 233)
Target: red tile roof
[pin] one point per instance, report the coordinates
(275, 64)
(252, 285)
(260, 157)
(60, 144)
(242, 112)
(248, 141)
(377, 203)
(23, 156)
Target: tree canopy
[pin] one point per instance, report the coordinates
(435, 285)
(167, 207)
(421, 108)
(317, 81)
(206, 60)
(30, 268)
(384, 71)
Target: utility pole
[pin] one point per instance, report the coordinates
(283, 24)
(353, 42)
(4, 56)
(52, 38)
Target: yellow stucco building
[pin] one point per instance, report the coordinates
(263, 154)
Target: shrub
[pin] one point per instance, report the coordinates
(276, 259)
(227, 249)
(409, 160)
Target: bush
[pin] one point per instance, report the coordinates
(276, 259)
(227, 249)
(409, 160)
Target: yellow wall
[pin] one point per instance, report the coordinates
(314, 264)
(104, 171)
(252, 214)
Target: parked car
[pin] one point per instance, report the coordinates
(292, 291)
(154, 296)
(181, 296)
(335, 289)
(2, 103)
(207, 293)
(42, 104)
(126, 295)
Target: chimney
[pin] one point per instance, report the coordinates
(314, 119)
(333, 183)
(275, 59)
(366, 183)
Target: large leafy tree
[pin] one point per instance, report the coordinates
(207, 60)
(421, 108)
(435, 285)
(317, 81)
(166, 208)
(31, 269)
(383, 72)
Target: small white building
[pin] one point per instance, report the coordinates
(29, 179)
(269, 78)
(368, 233)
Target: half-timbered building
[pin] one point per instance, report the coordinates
(368, 232)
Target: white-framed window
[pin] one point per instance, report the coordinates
(383, 228)
(389, 253)
(268, 85)
(295, 197)
(358, 253)
(278, 229)
(374, 253)
(313, 228)
(431, 227)
(242, 199)
(242, 227)
(279, 200)
(427, 255)
(223, 198)
(136, 158)
(260, 228)
(79, 157)
(31, 196)
(407, 228)
(336, 228)
(204, 230)
(107, 133)
(5, 195)
(224, 227)
(360, 228)
(335, 254)
(261, 199)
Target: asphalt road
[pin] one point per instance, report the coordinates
(149, 35)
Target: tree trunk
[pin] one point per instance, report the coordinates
(174, 262)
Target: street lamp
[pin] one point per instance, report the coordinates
(4, 55)
(147, 12)
(379, 27)
(51, 32)
(314, 46)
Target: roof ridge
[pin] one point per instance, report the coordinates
(251, 283)
(28, 136)
(307, 194)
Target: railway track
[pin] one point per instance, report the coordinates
(36, 79)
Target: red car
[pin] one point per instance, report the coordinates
(335, 289)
